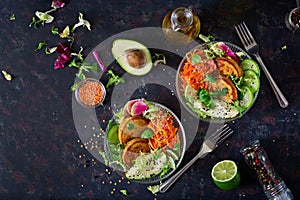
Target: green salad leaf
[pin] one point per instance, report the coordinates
(205, 97)
(114, 79)
(219, 93)
(209, 78)
(196, 59)
(147, 134)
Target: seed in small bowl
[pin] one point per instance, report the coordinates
(90, 92)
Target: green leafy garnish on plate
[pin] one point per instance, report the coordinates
(113, 79)
(196, 59)
(209, 78)
(147, 134)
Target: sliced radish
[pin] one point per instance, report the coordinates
(138, 108)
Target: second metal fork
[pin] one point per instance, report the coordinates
(208, 146)
(253, 48)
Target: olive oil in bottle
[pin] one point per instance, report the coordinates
(181, 26)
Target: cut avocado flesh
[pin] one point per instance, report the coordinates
(146, 166)
(132, 56)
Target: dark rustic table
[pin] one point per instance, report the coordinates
(42, 156)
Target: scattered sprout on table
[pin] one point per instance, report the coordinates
(284, 47)
(6, 75)
(41, 45)
(124, 192)
(82, 22)
(12, 17)
(65, 33)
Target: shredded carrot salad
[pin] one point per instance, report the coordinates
(164, 131)
(194, 74)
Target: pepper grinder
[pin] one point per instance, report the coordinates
(273, 185)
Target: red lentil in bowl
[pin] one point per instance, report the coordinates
(90, 92)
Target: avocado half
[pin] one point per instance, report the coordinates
(132, 56)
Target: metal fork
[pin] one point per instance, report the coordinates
(208, 146)
(253, 48)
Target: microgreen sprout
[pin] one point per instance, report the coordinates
(208, 38)
(54, 31)
(114, 79)
(12, 17)
(41, 45)
(6, 75)
(42, 18)
(82, 22)
(124, 192)
(65, 33)
(159, 58)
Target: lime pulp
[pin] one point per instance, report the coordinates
(226, 175)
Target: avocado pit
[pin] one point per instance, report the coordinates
(136, 58)
(133, 57)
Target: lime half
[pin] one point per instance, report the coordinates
(225, 175)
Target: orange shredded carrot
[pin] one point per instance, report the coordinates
(194, 74)
(164, 131)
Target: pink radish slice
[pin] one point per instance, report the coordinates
(138, 108)
(128, 105)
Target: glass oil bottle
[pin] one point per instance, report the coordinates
(181, 26)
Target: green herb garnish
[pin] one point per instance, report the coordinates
(208, 38)
(114, 79)
(205, 97)
(209, 78)
(130, 126)
(82, 67)
(103, 155)
(219, 93)
(196, 59)
(147, 134)
(54, 31)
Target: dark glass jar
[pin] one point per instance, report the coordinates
(257, 159)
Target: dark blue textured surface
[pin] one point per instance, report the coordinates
(40, 155)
